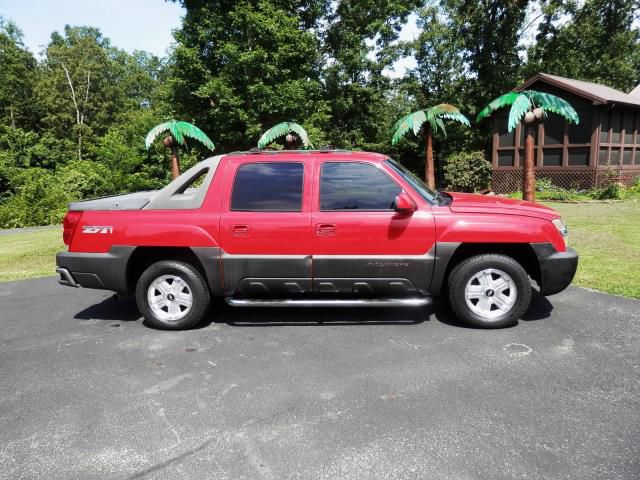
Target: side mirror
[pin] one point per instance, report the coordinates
(404, 204)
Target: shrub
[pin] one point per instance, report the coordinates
(467, 172)
(613, 191)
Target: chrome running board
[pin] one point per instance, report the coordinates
(365, 302)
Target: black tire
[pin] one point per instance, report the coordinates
(467, 269)
(196, 286)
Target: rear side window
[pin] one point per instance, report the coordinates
(356, 186)
(268, 187)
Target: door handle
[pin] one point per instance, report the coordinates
(325, 229)
(239, 230)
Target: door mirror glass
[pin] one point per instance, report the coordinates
(404, 204)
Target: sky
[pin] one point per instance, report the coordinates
(129, 24)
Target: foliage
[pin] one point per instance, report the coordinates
(282, 129)
(434, 116)
(613, 191)
(73, 119)
(467, 172)
(594, 40)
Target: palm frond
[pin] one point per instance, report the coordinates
(155, 131)
(520, 106)
(302, 133)
(557, 105)
(280, 130)
(450, 112)
(186, 129)
(495, 104)
(440, 125)
(401, 128)
(179, 130)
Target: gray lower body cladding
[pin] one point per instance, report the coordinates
(106, 271)
(287, 275)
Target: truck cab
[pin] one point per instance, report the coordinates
(311, 229)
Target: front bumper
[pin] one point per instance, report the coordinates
(557, 269)
(105, 271)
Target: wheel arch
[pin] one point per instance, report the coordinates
(204, 259)
(453, 253)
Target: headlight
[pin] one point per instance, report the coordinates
(562, 228)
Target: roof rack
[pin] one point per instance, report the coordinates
(263, 151)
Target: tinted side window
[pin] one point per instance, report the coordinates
(268, 187)
(355, 186)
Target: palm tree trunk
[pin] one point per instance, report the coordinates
(429, 174)
(528, 174)
(175, 162)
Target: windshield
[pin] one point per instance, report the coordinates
(420, 187)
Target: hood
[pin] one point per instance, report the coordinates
(473, 203)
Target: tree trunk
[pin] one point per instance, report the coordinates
(429, 174)
(528, 174)
(175, 162)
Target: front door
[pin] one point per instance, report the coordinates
(265, 226)
(361, 245)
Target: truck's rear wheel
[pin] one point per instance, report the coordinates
(489, 291)
(172, 295)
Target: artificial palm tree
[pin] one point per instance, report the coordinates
(178, 133)
(532, 106)
(292, 132)
(433, 119)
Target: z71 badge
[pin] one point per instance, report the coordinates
(94, 229)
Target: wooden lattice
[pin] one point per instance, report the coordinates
(507, 181)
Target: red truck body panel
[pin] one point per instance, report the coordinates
(321, 242)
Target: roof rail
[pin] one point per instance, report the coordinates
(261, 151)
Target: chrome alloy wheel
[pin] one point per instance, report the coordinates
(490, 293)
(169, 298)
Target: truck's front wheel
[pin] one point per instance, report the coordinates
(489, 291)
(172, 295)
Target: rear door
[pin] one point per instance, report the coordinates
(265, 226)
(361, 245)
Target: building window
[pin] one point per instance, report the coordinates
(616, 126)
(579, 157)
(604, 127)
(505, 138)
(615, 157)
(554, 130)
(268, 187)
(505, 158)
(628, 128)
(552, 157)
(602, 156)
(581, 133)
(626, 156)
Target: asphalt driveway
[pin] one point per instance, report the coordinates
(88, 391)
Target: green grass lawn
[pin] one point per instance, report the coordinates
(606, 235)
(30, 254)
(607, 238)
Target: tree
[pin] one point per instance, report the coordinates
(292, 132)
(433, 121)
(178, 133)
(17, 78)
(594, 40)
(531, 106)
(239, 66)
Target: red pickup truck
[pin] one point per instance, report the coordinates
(314, 228)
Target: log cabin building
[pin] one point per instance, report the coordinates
(604, 145)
